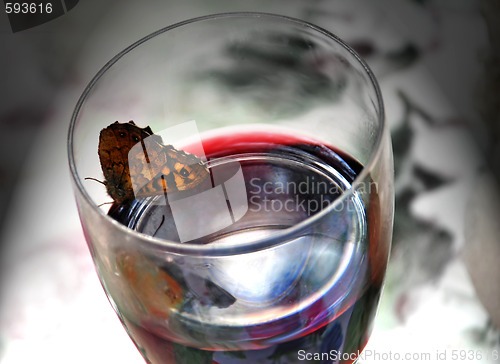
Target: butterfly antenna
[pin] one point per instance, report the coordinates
(94, 179)
(161, 223)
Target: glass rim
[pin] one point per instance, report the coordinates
(276, 238)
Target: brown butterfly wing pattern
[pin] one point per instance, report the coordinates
(136, 163)
(115, 143)
(164, 169)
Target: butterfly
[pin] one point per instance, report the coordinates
(136, 163)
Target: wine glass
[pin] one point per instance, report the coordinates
(234, 178)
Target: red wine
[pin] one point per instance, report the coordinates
(311, 299)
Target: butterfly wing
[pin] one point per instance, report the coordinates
(188, 171)
(115, 143)
(156, 168)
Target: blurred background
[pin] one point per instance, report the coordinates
(437, 62)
